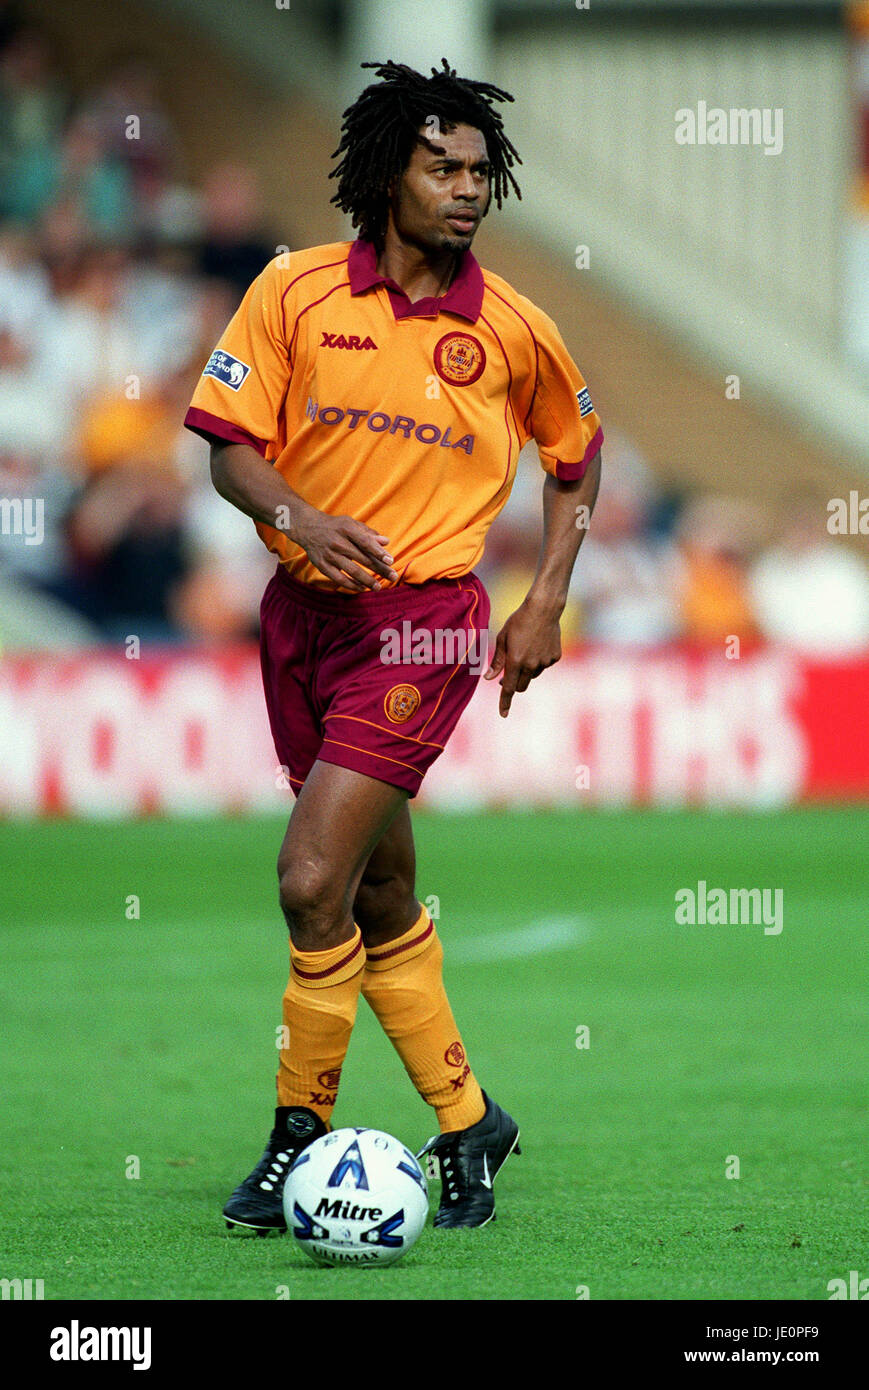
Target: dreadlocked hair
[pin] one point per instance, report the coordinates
(380, 130)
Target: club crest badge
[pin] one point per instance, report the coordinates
(401, 703)
(459, 359)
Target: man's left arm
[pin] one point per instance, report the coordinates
(530, 639)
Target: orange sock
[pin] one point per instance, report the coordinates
(404, 985)
(319, 1013)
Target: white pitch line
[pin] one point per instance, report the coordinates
(536, 939)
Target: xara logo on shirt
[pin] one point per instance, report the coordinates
(337, 340)
(226, 369)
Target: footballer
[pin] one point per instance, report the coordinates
(366, 407)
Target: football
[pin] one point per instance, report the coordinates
(356, 1197)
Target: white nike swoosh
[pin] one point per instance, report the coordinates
(486, 1180)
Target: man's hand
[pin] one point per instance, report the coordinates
(529, 641)
(339, 546)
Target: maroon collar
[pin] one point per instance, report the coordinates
(464, 296)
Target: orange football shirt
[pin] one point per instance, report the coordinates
(408, 417)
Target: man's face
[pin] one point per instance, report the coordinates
(443, 193)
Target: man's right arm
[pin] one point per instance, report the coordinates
(337, 546)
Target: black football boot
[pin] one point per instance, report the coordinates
(256, 1205)
(469, 1161)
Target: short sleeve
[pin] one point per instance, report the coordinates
(241, 392)
(564, 423)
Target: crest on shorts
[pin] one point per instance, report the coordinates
(401, 702)
(459, 358)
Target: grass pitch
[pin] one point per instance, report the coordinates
(147, 1045)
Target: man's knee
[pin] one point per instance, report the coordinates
(311, 900)
(385, 907)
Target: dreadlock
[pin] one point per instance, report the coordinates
(381, 128)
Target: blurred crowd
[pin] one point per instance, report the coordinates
(700, 568)
(118, 275)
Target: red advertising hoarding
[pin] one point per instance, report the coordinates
(186, 733)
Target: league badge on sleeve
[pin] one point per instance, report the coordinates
(227, 369)
(585, 405)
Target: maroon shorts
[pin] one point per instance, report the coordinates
(375, 682)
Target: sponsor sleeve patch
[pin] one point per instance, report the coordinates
(585, 405)
(226, 369)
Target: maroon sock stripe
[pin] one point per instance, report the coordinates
(330, 969)
(397, 950)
